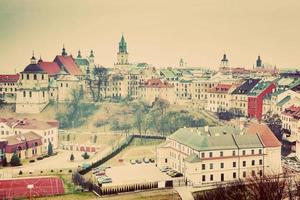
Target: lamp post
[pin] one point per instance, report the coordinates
(30, 187)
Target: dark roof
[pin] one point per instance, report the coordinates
(246, 86)
(33, 68)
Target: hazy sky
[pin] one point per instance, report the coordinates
(159, 32)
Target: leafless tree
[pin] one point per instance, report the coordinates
(99, 81)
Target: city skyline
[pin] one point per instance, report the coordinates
(159, 35)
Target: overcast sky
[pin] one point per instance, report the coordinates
(159, 32)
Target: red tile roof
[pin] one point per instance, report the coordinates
(52, 68)
(157, 83)
(293, 111)
(221, 88)
(69, 64)
(9, 78)
(264, 132)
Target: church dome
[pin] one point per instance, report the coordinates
(32, 68)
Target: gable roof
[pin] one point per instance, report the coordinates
(246, 87)
(9, 78)
(157, 83)
(51, 68)
(267, 137)
(68, 63)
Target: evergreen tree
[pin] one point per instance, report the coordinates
(85, 156)
(15, 160)
(4, 161)
(72, 158)
(50, 149)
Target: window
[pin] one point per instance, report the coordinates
(221, 153)
(30, 94)
(222, 177)
(202, 155)
(211, 166)
(222, 165)
(252, 151)
(244, 174)
(233, 153)
(24, 93)
(211, 177)
(27, 76)
(42, 76)
(34, 77)
(166, 160)
(203, 166)
(253, 162)
(67, 85)
(234, 164)
(260, 151)
(234, 175)
(260, 173)
(203, 178)
(244, 163)
(210, 154)
(260, 162)
(43, 93)
(244, 152)
(253, 173)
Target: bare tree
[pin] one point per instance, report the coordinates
(99, 82)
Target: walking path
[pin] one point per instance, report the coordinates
(185, 192)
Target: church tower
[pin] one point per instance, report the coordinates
(122, 54)
(224, 62)
(259, 62)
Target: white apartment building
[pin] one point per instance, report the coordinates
(48, 130)
(208, 155)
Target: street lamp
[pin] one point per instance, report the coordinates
(30, 187)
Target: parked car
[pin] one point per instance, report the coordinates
(151, 160)
(146, 160)
(176, 175)
(138, 161)
(171, 172)
(132, 162)
(165, 169)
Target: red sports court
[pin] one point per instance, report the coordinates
(30, 187)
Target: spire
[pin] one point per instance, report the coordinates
(258, 61)
(79, 54)
(122, 45)
(64, 53)
(92, 54)
(40, 60)
(33, 59)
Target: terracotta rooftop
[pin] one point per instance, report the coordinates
(52, 68)
(293, 111)
(264, 132)
(69, 65)
(221, 88)
(18, 139)
(9, 78)
(157, 83)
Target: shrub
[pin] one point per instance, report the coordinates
(85, 156)
(31, 161)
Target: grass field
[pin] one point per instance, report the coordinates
(166, 194)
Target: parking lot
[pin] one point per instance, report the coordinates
(138, 173)
(291, 164)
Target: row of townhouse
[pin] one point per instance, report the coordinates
(207, 155)
(47, 130)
